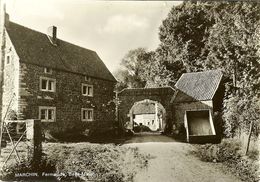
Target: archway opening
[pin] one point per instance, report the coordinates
(147, 116)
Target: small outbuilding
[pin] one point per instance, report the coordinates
(196, 106)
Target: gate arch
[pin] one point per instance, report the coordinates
(130, 98)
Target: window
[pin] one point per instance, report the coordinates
(8, 60)
(47, 114)
(87, 114)
(87, 78)
(48, 70)
(47, 84)
(87, 90)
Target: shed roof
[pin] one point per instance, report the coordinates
(35, 48)
(200, 85)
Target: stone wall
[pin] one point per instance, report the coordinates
(2, 44)
(180, 108)
(67, 99)
(10, 78)
(128, 97)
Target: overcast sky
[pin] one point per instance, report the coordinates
(111, 28)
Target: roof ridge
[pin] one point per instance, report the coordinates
(38, 31)
(214, 70)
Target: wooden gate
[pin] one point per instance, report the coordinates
(20, 139)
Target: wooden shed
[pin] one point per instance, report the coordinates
(196, 105)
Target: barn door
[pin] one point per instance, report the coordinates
(199, 123)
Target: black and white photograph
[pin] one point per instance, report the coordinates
(130, 91)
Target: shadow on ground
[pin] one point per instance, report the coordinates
(143, 137)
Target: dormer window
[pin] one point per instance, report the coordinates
(87, 78)
(48, 70)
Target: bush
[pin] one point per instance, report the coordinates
(229, 153)
(239, 111)
(253, 154)
(95, 162)
(65, 135)
(141, 128)
(65, 132)
(101, 133)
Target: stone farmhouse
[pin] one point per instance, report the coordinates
(64, 85)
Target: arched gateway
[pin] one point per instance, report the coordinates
(150, 107)
(148, 113)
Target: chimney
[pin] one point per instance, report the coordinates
(6, 16)
(6, 20)
(52, 35)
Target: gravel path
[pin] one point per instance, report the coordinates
(172, 162)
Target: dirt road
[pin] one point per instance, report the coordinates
(172, 162)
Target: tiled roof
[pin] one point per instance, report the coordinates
(35, 48)
(199, 85)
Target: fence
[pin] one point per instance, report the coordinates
(21, 138)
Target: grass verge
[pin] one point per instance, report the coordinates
(229, 153)
(82, 162)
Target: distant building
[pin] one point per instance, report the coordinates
(148, 114)
(66, 86)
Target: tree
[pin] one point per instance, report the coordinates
(218, 35)
(121, 76)
(142, 69)
(131, 68)
(155, 73)
(183, 35)
(232, 42)
(233, 47)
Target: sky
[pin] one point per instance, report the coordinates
(111, 28)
